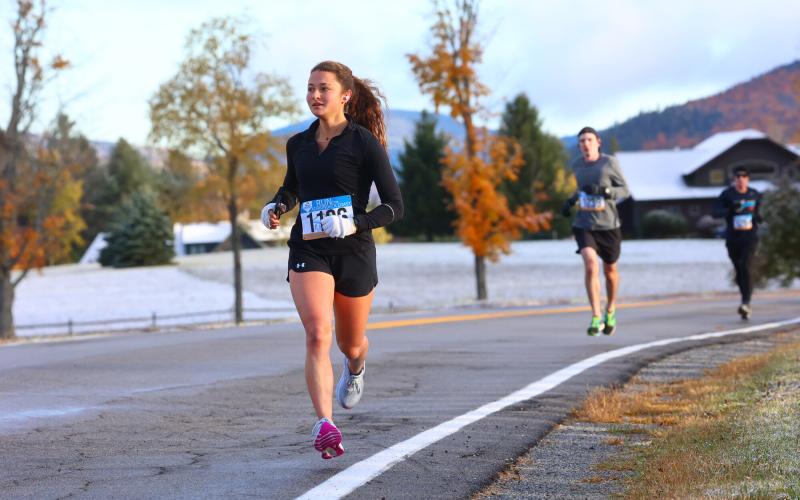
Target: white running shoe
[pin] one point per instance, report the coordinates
(745, 311)
(350, 386)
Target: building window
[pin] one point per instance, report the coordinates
(694, 210)
(716, 177)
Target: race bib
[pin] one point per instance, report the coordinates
(312, 212)
(743, 222)
(591, 203)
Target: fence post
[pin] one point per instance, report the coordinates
(69, 326)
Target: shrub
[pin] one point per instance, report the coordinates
(664, 224)
(778, 256)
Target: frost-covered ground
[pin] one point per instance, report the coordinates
(412, 276)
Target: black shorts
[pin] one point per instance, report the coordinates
(354, 274)
(606, 242)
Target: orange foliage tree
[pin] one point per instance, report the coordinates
(473, 172)
(35, 185)
(215, 108)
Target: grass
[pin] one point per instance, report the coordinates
(732, 433)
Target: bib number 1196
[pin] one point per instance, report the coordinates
(312, 212)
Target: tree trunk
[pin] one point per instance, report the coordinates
(236, 246)
(236, 239)
(480, 262)
(480, 277)
(6, 307)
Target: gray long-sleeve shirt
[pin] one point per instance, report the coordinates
(596, 212)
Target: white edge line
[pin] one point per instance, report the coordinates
(360, 473)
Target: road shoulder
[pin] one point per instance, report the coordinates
(570, 461)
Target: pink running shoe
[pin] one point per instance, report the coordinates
(327, 439)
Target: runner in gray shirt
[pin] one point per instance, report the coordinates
(596, 227)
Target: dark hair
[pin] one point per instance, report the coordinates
(741, 171)
(365, 104)
(588, 130)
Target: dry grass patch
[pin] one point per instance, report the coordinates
(653, 405)
(670, 403)
(734, 432)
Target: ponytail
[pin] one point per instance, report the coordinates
(364, 107)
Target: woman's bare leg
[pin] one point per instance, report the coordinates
(313, 296)
(351, 327)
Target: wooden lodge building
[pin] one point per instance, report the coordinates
(688, 181)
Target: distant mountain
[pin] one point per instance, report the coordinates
(400, 127)
(769, 103)
(155, 156)
(399, 123)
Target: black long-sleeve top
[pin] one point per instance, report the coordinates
(731, 204)
(349, 165)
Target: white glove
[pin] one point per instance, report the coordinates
(265, 215)
(337, 226)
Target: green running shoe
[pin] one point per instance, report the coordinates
(610, 323)
(595, 327)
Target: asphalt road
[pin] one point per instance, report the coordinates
(224, 413)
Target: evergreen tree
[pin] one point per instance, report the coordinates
(126, 173)
(613, 146)
(543, 180)
(140, 234)
(426, 201)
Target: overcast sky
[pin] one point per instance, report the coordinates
(579, 62)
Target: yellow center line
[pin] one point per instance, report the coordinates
(379, 325)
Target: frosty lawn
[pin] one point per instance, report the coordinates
(412, 276)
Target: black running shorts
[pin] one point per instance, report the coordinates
(354, 275)
(606, 242)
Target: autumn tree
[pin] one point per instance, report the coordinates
(216, 108)
(177, 188)
(71, 154)
(30, 228)
(474, 170)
